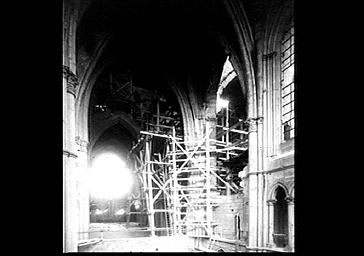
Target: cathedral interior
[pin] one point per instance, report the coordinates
(178, 125)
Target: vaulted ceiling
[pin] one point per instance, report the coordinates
(158, 41)
(154, 38)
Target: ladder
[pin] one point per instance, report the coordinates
(191, 189)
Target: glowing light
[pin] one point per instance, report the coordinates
(99, 212)
(109, 177)
(120, 212)
(221, 103)
(137, 205)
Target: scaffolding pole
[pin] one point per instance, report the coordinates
(185, 188)
(150, 189)
(174, 187)
(208, 181)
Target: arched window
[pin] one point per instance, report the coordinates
(280, 226)
(287, 82)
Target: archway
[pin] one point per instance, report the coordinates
(280, 226)
(189, 56)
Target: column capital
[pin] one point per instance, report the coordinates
(253, 123)
(289, 200)
(271, 202)
(72, 80)
(259, 119)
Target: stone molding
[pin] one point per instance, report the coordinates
(72, 80)
(272, 190)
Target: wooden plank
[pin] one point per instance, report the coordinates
(160, 125)
(166, 117)
(155, 134)
(157, 162)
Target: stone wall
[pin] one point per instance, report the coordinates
(224, 215)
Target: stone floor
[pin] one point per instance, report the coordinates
(116, 230)
(141, 244)
(117, 237)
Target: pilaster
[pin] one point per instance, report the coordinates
(70, 157)
(270, 204)
(83, 189)
(260, 181)
(290, 202)
(253, 183)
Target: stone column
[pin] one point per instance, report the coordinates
(270, 204)
(211, 122)
(265, 214)
(260, 180)
(70, 212)
(290, 202)
(83, 189)
(253, 196)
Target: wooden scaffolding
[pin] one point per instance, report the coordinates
(178, 177)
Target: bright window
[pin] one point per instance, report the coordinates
(287, 83)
